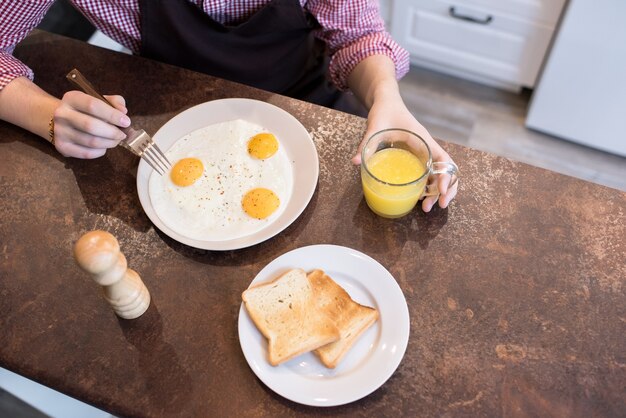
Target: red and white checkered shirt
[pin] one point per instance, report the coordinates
(352, 29)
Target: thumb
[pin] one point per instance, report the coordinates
(356, 159)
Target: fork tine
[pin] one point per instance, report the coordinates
(164, 158)
(149, 159)
(144, 149)
(152, 165)
(156, 158)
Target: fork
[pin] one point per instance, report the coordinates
(137, 141)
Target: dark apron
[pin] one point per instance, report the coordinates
(273, 50)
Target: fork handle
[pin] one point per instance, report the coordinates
(79, 79)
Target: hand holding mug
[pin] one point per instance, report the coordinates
(396, 165)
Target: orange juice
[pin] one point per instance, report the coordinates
(397, 192)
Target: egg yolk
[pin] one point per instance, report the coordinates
(186, 171)
(260, 203)
(263, 146)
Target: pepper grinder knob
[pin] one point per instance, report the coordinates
(98, 253)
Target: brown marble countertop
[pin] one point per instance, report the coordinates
(516, 292)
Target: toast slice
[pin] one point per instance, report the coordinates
(285, 312)
(351, 318)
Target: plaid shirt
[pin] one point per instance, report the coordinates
(352, 29)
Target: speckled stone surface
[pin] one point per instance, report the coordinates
(516, 292)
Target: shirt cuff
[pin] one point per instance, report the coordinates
(345, 59)
(12, 68)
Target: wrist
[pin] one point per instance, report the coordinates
(385, 91)
(24, 104)
(374, 79)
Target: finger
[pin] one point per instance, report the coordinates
(356, 159)
(445, 199)
(96, 108)
(69, 149)
(67, 134)
(87, 124)
(429, 202)
(443, 181)
(118, 102)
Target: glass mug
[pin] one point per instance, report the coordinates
(395, 167)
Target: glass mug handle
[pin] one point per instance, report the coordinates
(441, 167)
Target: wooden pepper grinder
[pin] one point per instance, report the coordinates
(98, 253)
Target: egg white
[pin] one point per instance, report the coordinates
(210, 209)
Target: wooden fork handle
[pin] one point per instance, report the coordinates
(79, 79)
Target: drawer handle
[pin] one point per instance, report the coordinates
(452, 11)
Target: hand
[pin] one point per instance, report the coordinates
(85, 127)
(392, 113)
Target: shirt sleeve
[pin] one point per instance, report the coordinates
(17, 19)
(353, 30)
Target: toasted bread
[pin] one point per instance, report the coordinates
(351, 318)
(285, 312)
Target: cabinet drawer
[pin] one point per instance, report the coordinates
(468, 38)
(546, 12)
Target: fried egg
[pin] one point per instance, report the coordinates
(186, 171)
(263, 145)
(228, 180)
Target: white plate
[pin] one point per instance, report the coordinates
(292, 135)
(370, 362)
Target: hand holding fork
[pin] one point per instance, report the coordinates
(85, 127)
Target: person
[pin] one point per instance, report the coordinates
(292, 47)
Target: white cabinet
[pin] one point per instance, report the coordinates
(582, 93)
(498, 42)
(385, 12)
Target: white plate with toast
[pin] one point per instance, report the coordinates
(294, 138)
(371, 360)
